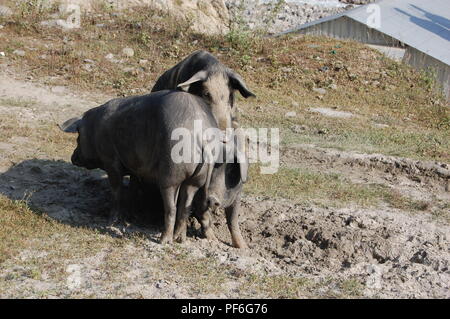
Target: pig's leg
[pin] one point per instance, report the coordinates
(115, 181)
(134, 200)
(169, 196)
(232, 214)
(205, 221)
(187, 193)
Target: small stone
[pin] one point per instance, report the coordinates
(333, 86)
(291, 114)
(295, 104)
(19, 52)
(2, 53)
(298, 128)
(5, 11)
(330, 112)
(88, 61)
(130, 70)
(129, 52)
(87, 67)
(109, 56)
(320, 90)
(375, 83)
(379, 125)
(143, 62)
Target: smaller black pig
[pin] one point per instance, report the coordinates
(224, 192)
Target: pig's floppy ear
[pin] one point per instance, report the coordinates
(199, 76)
(241, 154)
(71, 126)
(238, 83)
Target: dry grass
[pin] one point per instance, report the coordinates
(326, 189)
(23, 227)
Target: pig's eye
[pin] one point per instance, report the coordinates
(207, 95)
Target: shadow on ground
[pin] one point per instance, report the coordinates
(76, 196)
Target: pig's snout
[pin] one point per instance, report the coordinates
(213, 202)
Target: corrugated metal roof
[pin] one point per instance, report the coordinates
(422, 24)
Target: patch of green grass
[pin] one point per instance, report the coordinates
(207, 276)
(320, 188)
(19, 225)
(284, 287)
(350, 288)
(202, 275)
(442, 212)
(11, 127)
(24, 228)
(45, 137)
(422, 144)
(17, 102)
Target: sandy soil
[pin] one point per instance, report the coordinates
(394, 253)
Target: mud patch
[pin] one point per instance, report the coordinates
(391, 253)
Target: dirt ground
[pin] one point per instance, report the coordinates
(345, 252)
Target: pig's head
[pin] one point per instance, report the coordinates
(227, 178)
(84, 154)
(216, 86)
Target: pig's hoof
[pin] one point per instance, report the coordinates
(181, 238)
(180, 235)
(114, 219)
(240, 244)
(166, 240)
(116, 231)
(209, 234)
